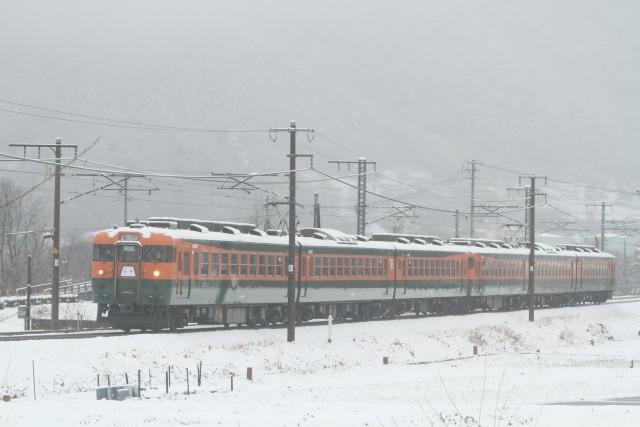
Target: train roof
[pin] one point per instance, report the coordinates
(325, 238)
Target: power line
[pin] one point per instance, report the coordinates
(392, 199)
(565, 182)
(115, 122)
(29, 191)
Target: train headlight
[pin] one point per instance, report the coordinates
(156, 273)
(100, 272)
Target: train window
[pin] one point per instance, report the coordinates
(367, 266)
(270, 265)
(279, 270)
(317, 266)
(252, 264)
(332, 266)
(325, 266)
(204, 263)
(103, 252)
(243, 264)
(155, 253)
(354, 266)
(261, 265)
(360, 266)
(234, 264)
(224, 264)
(380, 266)
(214, 264)
(128, 253)
(339, 270)
(185, 263)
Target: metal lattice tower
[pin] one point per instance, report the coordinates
(362, 195)
(361, 207)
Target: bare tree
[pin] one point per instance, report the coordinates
(21, 228)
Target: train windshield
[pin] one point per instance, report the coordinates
(103, 252)
(157, 253)
(128, 253)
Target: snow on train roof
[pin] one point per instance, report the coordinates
(343, 242)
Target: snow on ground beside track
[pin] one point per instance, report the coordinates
(432, 379)
(9, 321)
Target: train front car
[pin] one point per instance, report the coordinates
(133, 272)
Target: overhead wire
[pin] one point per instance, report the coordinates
(114, 122)
(36, 186)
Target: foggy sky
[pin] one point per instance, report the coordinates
(419, 86)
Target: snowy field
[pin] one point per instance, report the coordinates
(85, 310)
(582, 375)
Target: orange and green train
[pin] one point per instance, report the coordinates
(168, 272)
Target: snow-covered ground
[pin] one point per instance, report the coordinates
(432, 378)
(85, 310)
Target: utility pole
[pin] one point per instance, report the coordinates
(267, 214)
(532, 248)
(316, 211)
(472, 169)
(527, 220)
(531, 204)
(457, 214)
(361, 207)
(27, 315)
(55, 281)
(291, 290)
(603, 206)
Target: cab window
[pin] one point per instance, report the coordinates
(103, 252)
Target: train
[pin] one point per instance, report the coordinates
(167, 272)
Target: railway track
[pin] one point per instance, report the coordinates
(97, 333)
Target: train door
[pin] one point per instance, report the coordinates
(194, 270)
(302, 261)
(401, 266)
(612, 274)
(472, 278)
(394, 271)
(128, 267)
(574, 274)
(184, 273)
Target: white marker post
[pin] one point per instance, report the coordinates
(330, 322)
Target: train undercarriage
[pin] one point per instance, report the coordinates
(158, 317)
